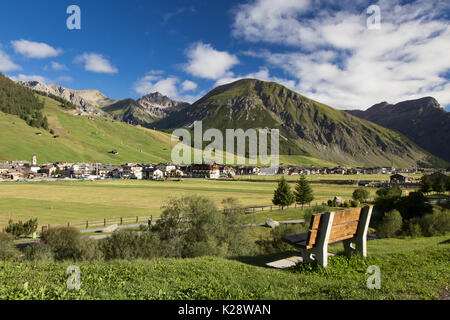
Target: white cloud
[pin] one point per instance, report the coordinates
(189, 85)
(264, 75)
(207, 62)
(29, 77)
(155, 81)
(6, 64)
(58, 66)
(34, 50)
(337, 60)
(95, 62)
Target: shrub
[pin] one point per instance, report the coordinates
(414, 205)
(126, 244)
(275, 243)
(355, 203)
(197, 227)
(18, 229)
(330, 203)
(38, 252)
(347, 204)
(360, 194)
(435, 224)
(64, 242)
(7, 249)
(390, 225)
(413, 228)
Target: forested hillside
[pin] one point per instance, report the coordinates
(22, 102)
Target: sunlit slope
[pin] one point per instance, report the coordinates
(80, 138)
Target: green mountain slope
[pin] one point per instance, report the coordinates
(307, 128)
(80, 138)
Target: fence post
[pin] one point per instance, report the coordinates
(121, 220)
(68, 224)
(137, 219)
(104, 222)
(270, 208)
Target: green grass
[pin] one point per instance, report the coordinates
(410, 269)
(66, 201)
(80, 139)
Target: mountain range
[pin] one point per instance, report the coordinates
(310, 132)
(423, 120)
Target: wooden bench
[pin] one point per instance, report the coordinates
(349, 226)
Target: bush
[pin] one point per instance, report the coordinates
(360, 194)
(347, 204)
(64, 242)
(126, 244)
(355, 203)
(18, 229)
(7, 249)
(275, 243)
(390, 225)
(413, 228)
(435, 224)
(414, 205)
(38, 252)
(200, 228)
(330, 203)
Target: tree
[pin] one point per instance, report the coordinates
(283, 195)
(438, 186)
(18, 229)
(360, 194)
(425, 184)
(303, 191)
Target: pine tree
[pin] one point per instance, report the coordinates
(283, 195)
(303, 191)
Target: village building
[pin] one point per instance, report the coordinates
(204, 170)
(47, 170)
(166, 168)
(132, 171)
(399, 179)
(151, 173)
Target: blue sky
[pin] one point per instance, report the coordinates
(183, 49)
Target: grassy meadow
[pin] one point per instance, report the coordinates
(410, 269)
(60, 202)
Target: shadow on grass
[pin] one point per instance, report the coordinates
(445, 241)
(261, 260)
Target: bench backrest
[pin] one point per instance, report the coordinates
(344, 225)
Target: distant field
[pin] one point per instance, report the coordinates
(62, 202)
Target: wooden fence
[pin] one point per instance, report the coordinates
(101, 223)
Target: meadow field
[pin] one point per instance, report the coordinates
(410, 269)
(61, 202)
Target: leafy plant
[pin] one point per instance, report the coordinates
(360, 194)
(390, 225)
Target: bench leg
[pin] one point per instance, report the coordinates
(348, 248)
(317, 255)
(361, 245)
(306, 256)
(321, 256)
